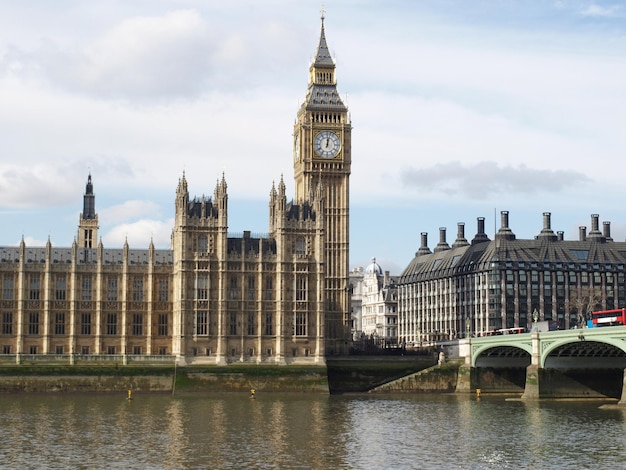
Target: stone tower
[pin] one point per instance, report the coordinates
(322, 157)
(88, 221)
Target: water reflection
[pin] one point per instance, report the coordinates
(306, 432)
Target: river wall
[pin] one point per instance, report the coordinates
(340, 375)
(181, 380)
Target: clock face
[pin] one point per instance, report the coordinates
(296, 148)
(327, 144)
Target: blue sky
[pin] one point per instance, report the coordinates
(460, 110)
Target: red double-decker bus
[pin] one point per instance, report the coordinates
(609, 317)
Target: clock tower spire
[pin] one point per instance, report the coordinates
(322, 157)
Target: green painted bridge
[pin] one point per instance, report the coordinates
(573, 363)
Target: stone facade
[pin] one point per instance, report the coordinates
(213, 297)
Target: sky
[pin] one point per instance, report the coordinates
(459, 110)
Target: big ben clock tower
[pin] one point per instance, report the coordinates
(322, 157)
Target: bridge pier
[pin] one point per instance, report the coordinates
(623, 399)
(532, 389)
(464, 383)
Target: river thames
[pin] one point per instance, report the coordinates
(306, 431)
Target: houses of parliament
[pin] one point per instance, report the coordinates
(211, 298)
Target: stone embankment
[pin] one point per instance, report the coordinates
(440, 378)
(181, 380)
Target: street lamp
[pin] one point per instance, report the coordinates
(535, 318)
(468, 327)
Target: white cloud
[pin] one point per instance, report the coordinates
(147, 56)
(140, 233)
(595, 10)
(39, 185)
(30, 241)
(484, 180)
(129, 210)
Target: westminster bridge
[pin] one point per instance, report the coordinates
(578, 363)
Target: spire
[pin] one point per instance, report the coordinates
(323, 57)
(182, 189)
(89, 201)
(282, 188)
(322, 93)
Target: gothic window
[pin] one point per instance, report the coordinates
(59, 323)
(112, 288)
(202, 323)
(203, 244)
(233, 288)
(137, 326)
(138, 289)
(7, 323)
(269, 288)
(269, 324)
(300, 246)
(85, 323)
(35, 285)
(163, 290)
(162, 325)
(301, 288)
(33, 323)
(112, 324)
(202, 288)
(233, 323)
(300, 324)
(250, 323)
(60, 287)
(7, 287)
(85, 288)
(251, 290)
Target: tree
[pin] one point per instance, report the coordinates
(584, 301)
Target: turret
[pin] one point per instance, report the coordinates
(88, 220)
(221, 201)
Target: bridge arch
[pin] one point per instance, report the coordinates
(548, 347)
(501, 349)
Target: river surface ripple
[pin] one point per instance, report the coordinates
(306, 431)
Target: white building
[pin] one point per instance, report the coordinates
(356, 302)
(379, 305)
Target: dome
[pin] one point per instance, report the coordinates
(374, 268)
